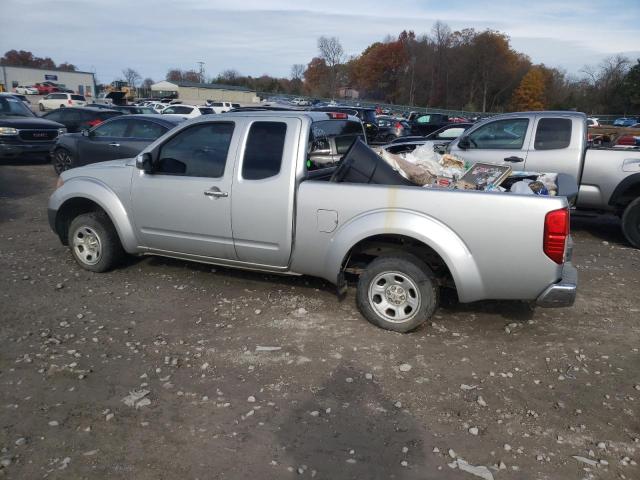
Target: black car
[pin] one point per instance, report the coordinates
(22, 133)
(120, 137)
(366, 115)
(426, 123)
(391, 128)
(134, 110)
(77, 119)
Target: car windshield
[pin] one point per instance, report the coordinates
(12, 107)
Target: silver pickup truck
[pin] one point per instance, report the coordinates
(609, 178)
(286, 192)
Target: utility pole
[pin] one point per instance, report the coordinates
(201, 71)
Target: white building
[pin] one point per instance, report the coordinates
(83, 83)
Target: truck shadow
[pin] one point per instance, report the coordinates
(601, 226)
(511, 310)
(361, 435)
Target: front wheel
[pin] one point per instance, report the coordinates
(631, 223)
(397, 292)
(94, 242)
(62, 160)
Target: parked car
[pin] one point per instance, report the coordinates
(158, 106)
(61, 100)
(26, 90)
(405, 242)
(103, 106)
(22, 98)
(187, 111)
(366, 115)
(119, 137)
(220, 107)
(625, 122)
(390, 128)
(437, 140)
(426, 123)
(45, 88)
(76, 119)
(134, 110)
(609, 178)
(23, 134)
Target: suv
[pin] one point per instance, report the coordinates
(61, 100)
(220, 107)
(22, 134)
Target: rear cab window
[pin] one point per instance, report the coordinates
(553, 134)
(263, 150)
(329, 140)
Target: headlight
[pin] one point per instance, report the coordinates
(62, 131)
(5, 131)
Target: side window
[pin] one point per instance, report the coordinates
(424, 119)
(553, 133)
(73, 116)
(198, 151)
(450, 133)
(500, 135)
(147, 130)
(111, 129)
(263, 151)
(54, 116)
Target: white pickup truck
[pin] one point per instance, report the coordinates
(300, 193)
(609, 178)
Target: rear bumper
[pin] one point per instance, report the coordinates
(562, 293)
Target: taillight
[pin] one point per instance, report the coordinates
(556, 231)
(398, 125)
(70, 102)
(338, 116)
(95, 122)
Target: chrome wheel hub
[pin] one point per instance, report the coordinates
(87, 245)
(394, 296)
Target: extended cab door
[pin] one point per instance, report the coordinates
(184, 206)
(558, 144)
(497, 141)
(263, 192)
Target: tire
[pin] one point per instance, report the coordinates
(631, 223)
(61, 106)
(397, 292)
(94, 243)
(62, 160)
(41, 107)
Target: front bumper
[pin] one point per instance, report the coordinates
(562, 293)
(11, 150)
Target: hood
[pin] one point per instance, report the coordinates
(28, 122)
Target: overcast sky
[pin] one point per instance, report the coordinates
(268, 36)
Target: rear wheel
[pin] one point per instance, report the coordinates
(94, 242)
(397, 292)
(61, 106)
(62, 160)
(631, 223)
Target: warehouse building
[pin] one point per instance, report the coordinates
(198, 93)
(83, 83)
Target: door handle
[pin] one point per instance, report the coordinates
(215, 192)
(114, 144)
(514, 159)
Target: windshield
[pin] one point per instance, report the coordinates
(146, 110)
(12, 107)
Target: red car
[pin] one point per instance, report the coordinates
(46, 88)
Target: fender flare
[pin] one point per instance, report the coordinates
(627, 183)
(99, 193)
(423, 228)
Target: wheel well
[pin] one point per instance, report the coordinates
(70, 210)
(628, 196)
(363, 252)
(626, 192)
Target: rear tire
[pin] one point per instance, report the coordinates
(631, 223)
(94, 242)
(397, 292)
(62, 160)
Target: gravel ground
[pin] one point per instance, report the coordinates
(164, 369)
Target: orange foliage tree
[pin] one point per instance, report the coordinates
(530, 93)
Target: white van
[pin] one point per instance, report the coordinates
(61, 100)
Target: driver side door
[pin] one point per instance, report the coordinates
(499, 141)
(103, 142)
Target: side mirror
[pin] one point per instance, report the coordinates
(144, 162)
(85, 132)
(464, 143)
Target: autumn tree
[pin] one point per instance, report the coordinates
(631, 87)
(24, 58)
(67, 67)
(316, 77)
(530, 93)
(332, 53)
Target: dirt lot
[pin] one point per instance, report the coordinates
(331, 397)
